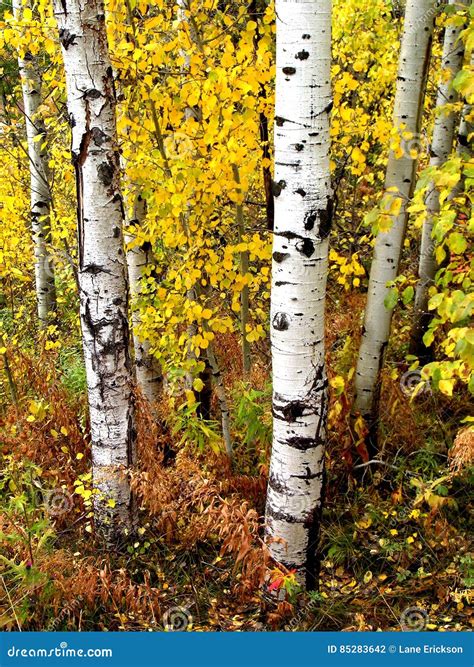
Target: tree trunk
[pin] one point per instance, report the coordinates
(399, 183)
(303, 213)
(244, 295)
(101, 259)
(40, 193)
(441, 146)
(139, 260)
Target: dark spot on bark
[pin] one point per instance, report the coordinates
(66, 38)
(289, 70)
(279, 121)
(105, 172)
(302, 55)
(306, 36)
(299, 147)
(116, 232)
(305, 247)
(281, 322)
(301, 192)
(92, 94)
(302, 443)
(293, 410)
(278, 187)
(325, 220)
(98, 136)
(310, 219)
(72, 121)
(117, 301)
(283, 516)
(280, 256)
(146, 246)
(94, 269)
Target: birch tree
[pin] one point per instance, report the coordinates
(441, 146)
(40, 193)
(101, 258)
(139, 261)
(303, 213)
(399, 184)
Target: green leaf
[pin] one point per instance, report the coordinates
(457, 243)
(407, 295)
(391, 299)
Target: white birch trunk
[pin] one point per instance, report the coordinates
(441, 146)
(101, 259)
(411, 84)
(139, 259)
(40, 193)
(303, 213)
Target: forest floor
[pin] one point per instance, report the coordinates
(395, 536)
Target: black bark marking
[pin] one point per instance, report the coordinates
(283, 516)
(278, 187)
(325, 219)
(293, 410)
(92, 94)
(95, 269)
(98, 136)
(306, 36)
(302, 444)
(279, 257)
(281, 322)
(301, 192)
(305, 247)
(310, 219)
(302, 55)
(289, 70)
(299, 147)
(106, 172)
(66, 38)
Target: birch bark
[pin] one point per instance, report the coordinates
(101, 259)
(441, 146)
(399, 183)
(303, 213)
(139, 259)
(40, 193)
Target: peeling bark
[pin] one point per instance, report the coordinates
(411, 84)
(303, 210)
(102, 272)
(40, 193)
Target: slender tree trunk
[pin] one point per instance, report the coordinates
(464, 140)
(256, 11)
(221, 397)
(441, 146)
(139, 260)
(101, 259)
(303, 215)
(399, 184)
(40, 193)
(244, 295)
